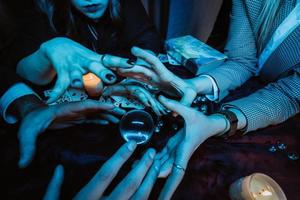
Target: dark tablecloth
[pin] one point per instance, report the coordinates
(214, 166)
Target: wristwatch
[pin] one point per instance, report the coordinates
(233, 120)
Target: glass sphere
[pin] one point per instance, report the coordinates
(137, 125)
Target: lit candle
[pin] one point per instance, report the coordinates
(92, 84)
(257, 186)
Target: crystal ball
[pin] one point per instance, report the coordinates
(137, 125)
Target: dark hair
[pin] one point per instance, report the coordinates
(61, 10)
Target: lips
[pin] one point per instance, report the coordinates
(92, 8)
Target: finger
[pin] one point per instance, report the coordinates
(141, 96)
(162, 109)
(182, 156)
(103, 73)
(132, 181)
(27, 149)
(53, 189)
(166, 168)
(27, 136)
(117, 111)
(110, 118)
(188, 97)
(76, 79)
(155, 63)
(171, 144)
(115, 90)
(138, 70)
(147, 99)
(61, 85)
(175, 106)
(116, 62)
(158, 109)
(95, 188)
(96, 121)
(144, 190)
(83, 107)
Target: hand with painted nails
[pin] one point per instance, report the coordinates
(58, 117)
(156, 74)
(68, 61)
(179, 149)
(136, 185)
(138, 92)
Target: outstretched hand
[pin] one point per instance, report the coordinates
(136, 185)
(61, 116)
(69, 61)
(137, 91)
(156, 74)
(179, 149)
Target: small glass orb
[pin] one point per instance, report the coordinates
(281, 146)
(137, 125)
(157, 129)
(272, 149)
(293, 156)
(160, 123)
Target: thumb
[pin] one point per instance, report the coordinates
(28, 133)
(27, 149)
(176, 107)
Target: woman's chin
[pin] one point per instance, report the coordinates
(94, 16)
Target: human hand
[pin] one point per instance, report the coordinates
(71, 60)
(61, 116)
(136, 185)
(159, 76)
(137, 91)
(179, 149)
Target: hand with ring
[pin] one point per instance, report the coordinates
(136, 91)
(136, 185)
(179, 149)
(156, 74)
(68, 61)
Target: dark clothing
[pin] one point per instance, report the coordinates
(8, 79)
(8, 75)
(135, 30)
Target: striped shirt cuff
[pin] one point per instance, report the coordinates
(215, 95)
(16, 91)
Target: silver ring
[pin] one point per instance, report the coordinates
(178, 167)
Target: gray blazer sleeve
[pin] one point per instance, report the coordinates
(273, 104)
(241, 52)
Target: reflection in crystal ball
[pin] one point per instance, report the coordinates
(137, 125)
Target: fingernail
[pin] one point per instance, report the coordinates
(110, 77)
(151, 153)
(132, 145)
(131, 61)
